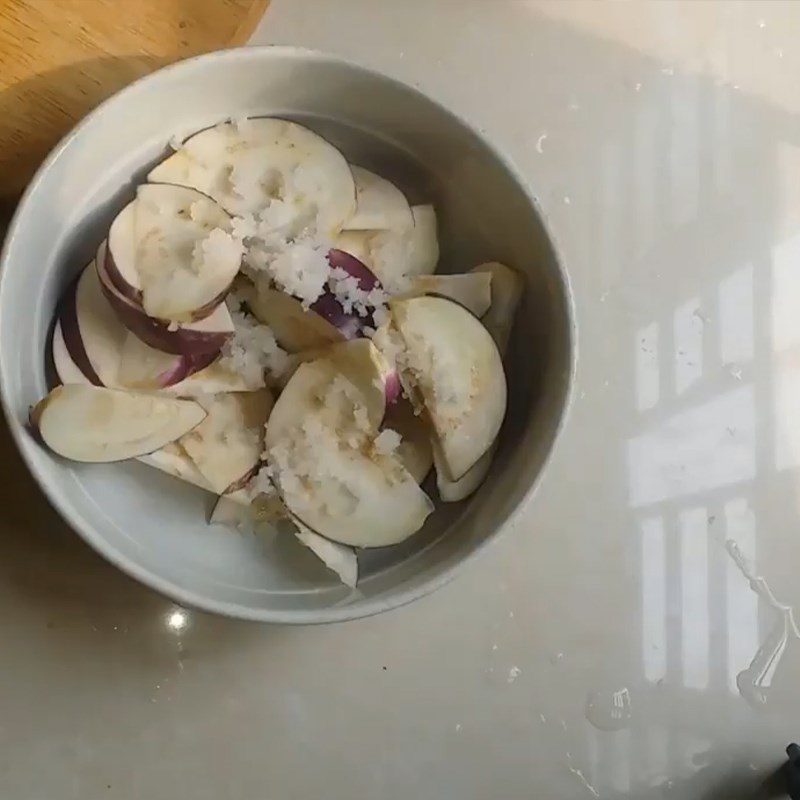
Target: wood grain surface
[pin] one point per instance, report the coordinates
(60, 58)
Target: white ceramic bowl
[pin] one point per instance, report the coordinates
(152, 526)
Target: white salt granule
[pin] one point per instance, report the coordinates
(387, 441)
(301, 270)
(252, 349)
(380, 316)
(513, 674)
(244, 227)
(218, 250)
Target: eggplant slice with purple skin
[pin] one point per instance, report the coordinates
(185, 255)
(318, 443)
(191, 338)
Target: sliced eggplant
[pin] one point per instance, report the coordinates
(455, 491)
(507, 286)
(226, 447)
(95, 424)
(423, 242)
(186, 257)
(338, 558)
(366, 368)
(356, 244)
(173, 460)
(120, 255)
(144, 368)
(380, 205)
(205, 335)
(340, 492)
(66, 369)
(385, 371)
(414, 451)
(318, 444)
(92, 333)
(251, 165)
(328, 307)
(305, 394)
(340, 259)
(295, 328)
(109, 354)
(360, 372)
(472, 290)
(454, 364)
(395, 256)
(214, 379)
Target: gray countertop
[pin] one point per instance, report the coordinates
(633, 634)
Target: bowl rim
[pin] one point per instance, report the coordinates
(185, 597)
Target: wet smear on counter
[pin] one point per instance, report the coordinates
(609, 710)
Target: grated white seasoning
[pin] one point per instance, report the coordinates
(219, 249)
(387, 441)
(294, 260)
(448, 390)
(388, 341)
(261, 483)
(353, 298)
(252, 349)
(301, 270)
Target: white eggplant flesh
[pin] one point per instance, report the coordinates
(296, 328)
(380, 205)
(507, 288)
(339, 558)
(473, 290)
(454, 364)
(226, 446)
(173, 460)
(186, 257)
(267, 165)
(395, 256)
(95, 424)
(318, 445)
(414, 451)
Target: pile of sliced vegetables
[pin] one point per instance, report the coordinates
(261, 229)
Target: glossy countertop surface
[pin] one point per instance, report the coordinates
(633, 635)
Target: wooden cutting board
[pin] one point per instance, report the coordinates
(60, 58)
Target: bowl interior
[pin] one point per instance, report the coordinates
(152, 525)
